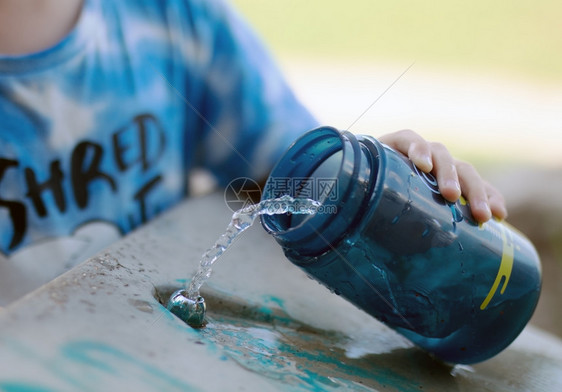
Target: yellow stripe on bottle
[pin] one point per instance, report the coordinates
(506, 266)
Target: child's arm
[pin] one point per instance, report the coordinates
(453, 176)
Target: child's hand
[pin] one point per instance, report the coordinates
(454, 176)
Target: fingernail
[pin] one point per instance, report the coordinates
(453, 184)
(482, 205)
(503, 213)
(427, 161)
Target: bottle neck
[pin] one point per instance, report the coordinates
(334, 168)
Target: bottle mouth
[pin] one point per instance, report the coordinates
(328, 166)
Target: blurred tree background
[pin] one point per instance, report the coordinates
(485, 79)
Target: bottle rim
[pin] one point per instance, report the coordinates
(317, 233)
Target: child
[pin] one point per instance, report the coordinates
(105, 106)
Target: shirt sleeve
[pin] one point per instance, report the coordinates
(250, 115)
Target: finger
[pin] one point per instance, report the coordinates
(474, 189)
(496, 202)
(446, 172)
(412, 145)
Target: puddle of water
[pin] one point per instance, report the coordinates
(266, 341)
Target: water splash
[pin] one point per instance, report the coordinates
(187, 303)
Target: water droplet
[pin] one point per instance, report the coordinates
(189, 310)
(457, 214)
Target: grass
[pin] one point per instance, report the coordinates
(519, 37)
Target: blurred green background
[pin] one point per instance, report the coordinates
(486, 80)
(517, 36)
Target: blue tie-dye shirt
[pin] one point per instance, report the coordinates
(102, 128)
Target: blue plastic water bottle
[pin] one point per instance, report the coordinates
(386, 240)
